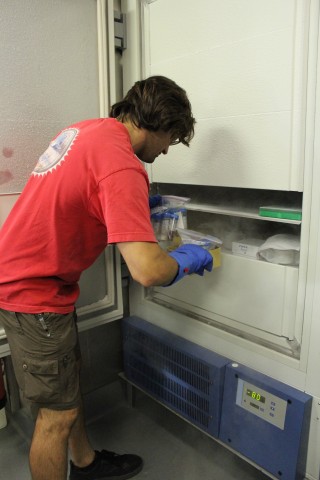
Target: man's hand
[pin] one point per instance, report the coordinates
(191, 259)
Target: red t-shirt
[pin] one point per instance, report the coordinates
(87, 190)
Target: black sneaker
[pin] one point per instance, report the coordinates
(108, 466)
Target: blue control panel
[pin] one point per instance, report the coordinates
(266, 421)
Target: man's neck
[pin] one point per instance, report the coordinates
(137, 135)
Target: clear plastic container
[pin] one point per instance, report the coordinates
(181, 216)
(168, 216)
(169, 223)
(164, 225)
(156, 219)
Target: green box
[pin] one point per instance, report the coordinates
(281, 212)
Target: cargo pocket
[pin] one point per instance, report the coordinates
(69, 379)
(41, 380)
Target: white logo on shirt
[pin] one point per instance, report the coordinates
(56, 152)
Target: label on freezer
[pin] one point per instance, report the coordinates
(248, 247)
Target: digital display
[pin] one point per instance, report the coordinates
(262, 403)
(255, 395)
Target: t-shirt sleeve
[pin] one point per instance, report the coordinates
(123, 197)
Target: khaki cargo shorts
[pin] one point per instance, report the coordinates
(46, 356)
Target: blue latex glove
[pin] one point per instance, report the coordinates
(154, 201)
(191, 259)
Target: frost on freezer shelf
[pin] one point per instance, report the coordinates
(281, 249)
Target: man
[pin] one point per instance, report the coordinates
(88, 189)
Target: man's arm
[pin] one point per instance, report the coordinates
(148, 263)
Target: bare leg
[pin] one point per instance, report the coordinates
(81, 451)
(49, 447)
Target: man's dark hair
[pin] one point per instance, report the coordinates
(158, 103)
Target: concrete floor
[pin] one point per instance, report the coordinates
(171, 448)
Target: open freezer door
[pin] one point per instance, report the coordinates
(60, 87)
(100, 297)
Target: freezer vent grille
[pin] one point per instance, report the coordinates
(164, 366)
